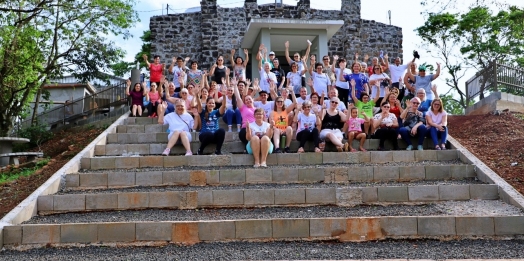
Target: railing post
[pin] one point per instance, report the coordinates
(495, 78)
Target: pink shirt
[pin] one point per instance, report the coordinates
(248, 115)
(354, 124)
(153, 97)
(437, 119)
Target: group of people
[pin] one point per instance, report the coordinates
(381, 101)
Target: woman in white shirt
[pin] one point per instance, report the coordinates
(258, 133)
(379, 81)
(342, 87)
(180, 126)
(321, 81)
(307, 125)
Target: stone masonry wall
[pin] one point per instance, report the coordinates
(215, 30)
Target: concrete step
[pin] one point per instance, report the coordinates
(144, 121)
(114, 162)
(339, 173)
(267, 196)
(342, 229)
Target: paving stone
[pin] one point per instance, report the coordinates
(157, 149)
(285, 175)
(72, 180)
(362, 229)
(101, 163)
(100, 150)
(257, 197)
(321, 196)
(121, 129)
(423, 193)
(461, 171)
(140, 149)
(127, 162)
(339, 157)
(161, 137)
(360, 173)
(85, 163)
(69, 202)
(290, 228)
(166, 199)
(216, 230)
(175, 178)
(149, 178)
(455, 192)
(290, 196)
(151, 162)
(148, 138)
(348, 196)
(447, 155)
(154, 231)
(403, 156)
(205, 198)
(288, 159)
(116, 232)
(133, 200)
(121, 179)
(436, 226)
(111, 138)
(483, 191)
(45, 203)
(327, 227)
(185, 232)
(101, 201)
(422, 155)
(409, 173)
(392, 194)
(337, 174)
(220, 160)
(475, 226)
(135, 129)
(506, 225)
(259, 175)
(40, 234)
(253, 229)
(385, 173)
(369, 195)
(399, 226)
(381, 156)
(153, 128)
(197, 178)
(125, 138)
(310, 175)
(242, 159)
(12, 235)
(310, 158)
(114, 149)
(228, 197)
(364, 157)
(78, 233)
(175, 161)
(437, 172)
(232, 177)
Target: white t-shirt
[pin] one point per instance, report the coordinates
(391, 118)
(265, 78)
(177, 71)
(268, 107)
(300, 66)
(183, 123)
(288, 102)
(229, 103)
(320, 82)
(259, 130)
(375, 87)
(397, 72)
(339, 83)
(300, 100)
(306, 122)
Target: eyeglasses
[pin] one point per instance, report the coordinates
(296, 56)
(415, 103)
(421, 70)
(259, 114)
(183, 93)
(326, 59)
(335, 102)
(421, 93)
(280, 101)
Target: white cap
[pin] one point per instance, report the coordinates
(271, 53)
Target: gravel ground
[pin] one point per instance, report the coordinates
(414, 163)
(453, 208)
(392, 249)
(271, 186)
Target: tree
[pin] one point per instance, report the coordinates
(122, 68)
(44, 39)
(472, 40)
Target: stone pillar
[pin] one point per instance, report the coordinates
(209, 32)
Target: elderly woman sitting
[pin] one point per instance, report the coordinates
(414, 124)
(180, 125)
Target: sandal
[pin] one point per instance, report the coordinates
(317, 150)
(443, 146)
(300, 150)
(263, 165)
(437, 147)
(353, 150)
(340, 148)
(346, 146)
(256, 165)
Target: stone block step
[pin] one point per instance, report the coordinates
(144, 121)
(292, 175)
(269, 196)
(114, 162)
(344, 229)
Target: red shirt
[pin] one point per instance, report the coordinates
(156, 72)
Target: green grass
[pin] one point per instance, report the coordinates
(23, 172)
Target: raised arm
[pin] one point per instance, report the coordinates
(353, 92)
(240, 103)
(409, 74)
(259, 64)
(305, 66)
(246, 54)
(341, 74)
(232, 58)
(308, 48)
(386, 62)
(272, 90)
(186, 60)
(434, 90)
(161, 110)
(128, 84)
(145, 60)
(198, 102)
(312, 61)
(286, 53)
(408, 85)
(222, 109)
(438, 72)
(173, 61)
(335, 60)
(291, 107)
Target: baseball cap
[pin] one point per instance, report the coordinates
(271, 53)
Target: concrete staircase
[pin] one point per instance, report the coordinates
(126, 193)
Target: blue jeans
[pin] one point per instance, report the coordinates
(228, 117)
(435, 134)
(405, 133)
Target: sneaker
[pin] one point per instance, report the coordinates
(166, 152)
(287, 150)
(263, 165)
(277, 150)
(419, 147)
(409, 147)
(443, 147)
(217, 152)
(189, 153)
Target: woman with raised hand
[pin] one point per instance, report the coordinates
(239, 65)
(294, 78)
(361, 80)
(180, 126)
(423, 81)
(232, 114)
(258, 133)
(332, 122)
(247, 111)
(219, 72)
(266, 76)
(342, 87)
(379, 81)
(156, 69)
(210, 131)
(279, 119)
(385, 124)
(137, 98)
(321, 81)
(437, 120)
(307, 125)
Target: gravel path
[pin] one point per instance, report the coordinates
(271, 186)
(412, 249)
(455, 208)
(414, 163)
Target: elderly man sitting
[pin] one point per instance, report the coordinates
(414, 124)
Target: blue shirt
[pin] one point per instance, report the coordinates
(360, 80)
(209, 124)
(425, 83)
(424, 107)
